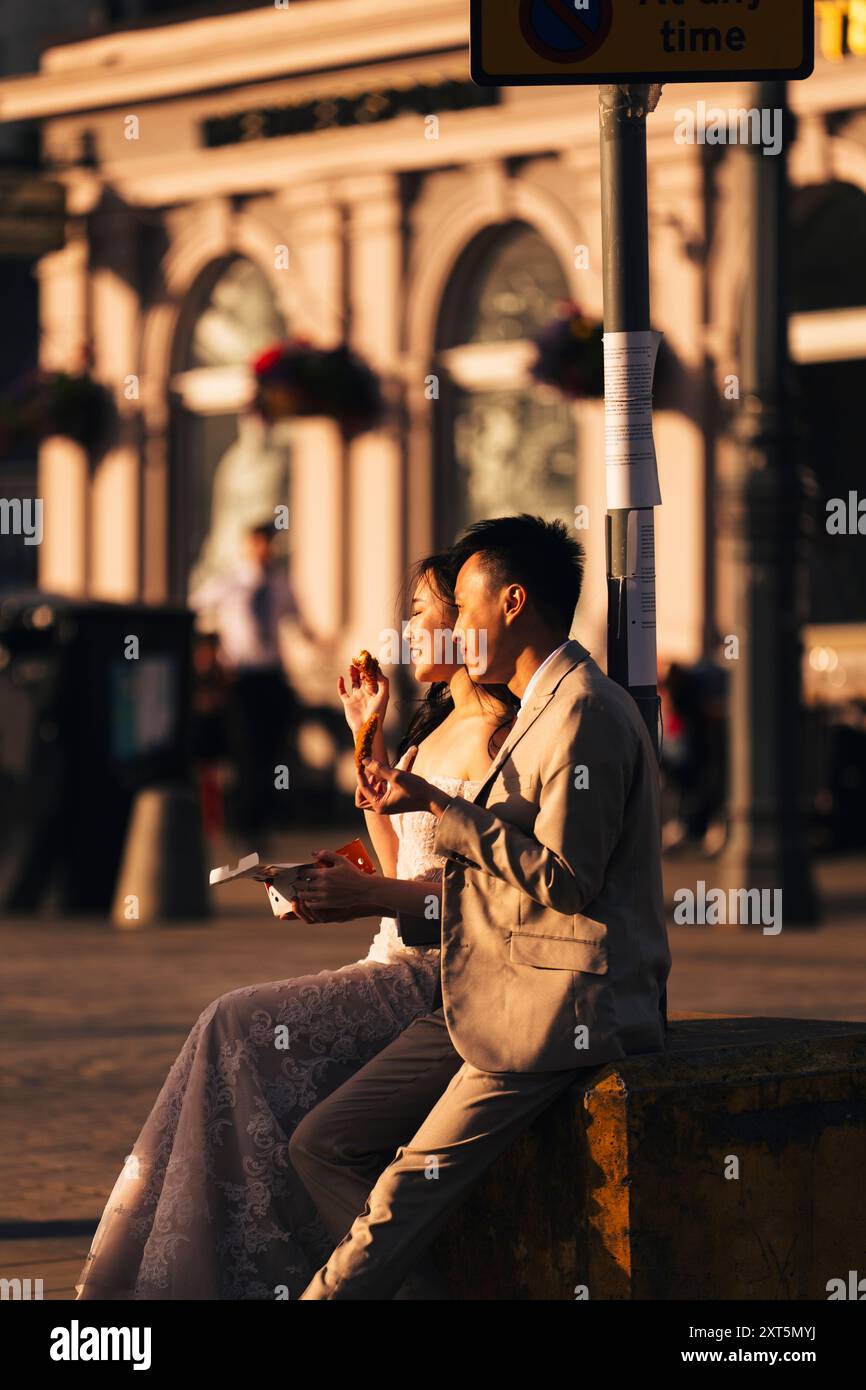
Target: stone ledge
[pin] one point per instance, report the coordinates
(620, 1186)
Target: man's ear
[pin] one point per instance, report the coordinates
(515, 601)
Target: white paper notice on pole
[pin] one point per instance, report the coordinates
(630, 452)
(641, 599)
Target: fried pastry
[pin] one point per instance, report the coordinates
(368, 666)
(364, 739)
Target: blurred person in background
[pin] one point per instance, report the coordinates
(210, 750)
(840, 797)
(694, 753)
(248, 604)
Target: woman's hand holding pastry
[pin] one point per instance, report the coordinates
(366, 693)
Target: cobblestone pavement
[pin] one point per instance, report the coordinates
(93, 1017)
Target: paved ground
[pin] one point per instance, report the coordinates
(92, 1018)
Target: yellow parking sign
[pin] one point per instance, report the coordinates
(534, 42)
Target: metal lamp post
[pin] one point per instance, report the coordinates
(763, 514)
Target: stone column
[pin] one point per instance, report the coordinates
(116, 498)
(318, 505)
(63, 465)
(377, 492)
(421, 422)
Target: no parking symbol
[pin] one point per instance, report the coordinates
(565, 31)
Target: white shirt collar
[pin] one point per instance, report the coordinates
(537, 673)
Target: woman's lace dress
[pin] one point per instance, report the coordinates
(207, 1205)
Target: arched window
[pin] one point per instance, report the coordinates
(505, 445)
(225, 475)
(828, 264)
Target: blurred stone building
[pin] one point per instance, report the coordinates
(235, 174)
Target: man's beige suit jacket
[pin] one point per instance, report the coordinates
(554, 947)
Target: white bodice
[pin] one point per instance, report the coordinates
(416, 833)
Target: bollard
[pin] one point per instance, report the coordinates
(162, 874)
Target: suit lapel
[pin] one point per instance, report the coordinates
(570, 656)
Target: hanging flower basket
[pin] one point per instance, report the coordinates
(47, 403)
(571, 358)
(571, 354)
(295, 379)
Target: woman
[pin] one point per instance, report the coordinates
(208, 1205)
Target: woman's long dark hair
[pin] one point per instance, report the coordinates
(440, 571)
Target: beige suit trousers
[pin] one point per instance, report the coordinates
(447, 1121)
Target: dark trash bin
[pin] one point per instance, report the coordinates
(84, 724)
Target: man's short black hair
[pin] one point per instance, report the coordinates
(541, 555)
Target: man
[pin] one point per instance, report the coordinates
(554, 949)
(249, 603)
